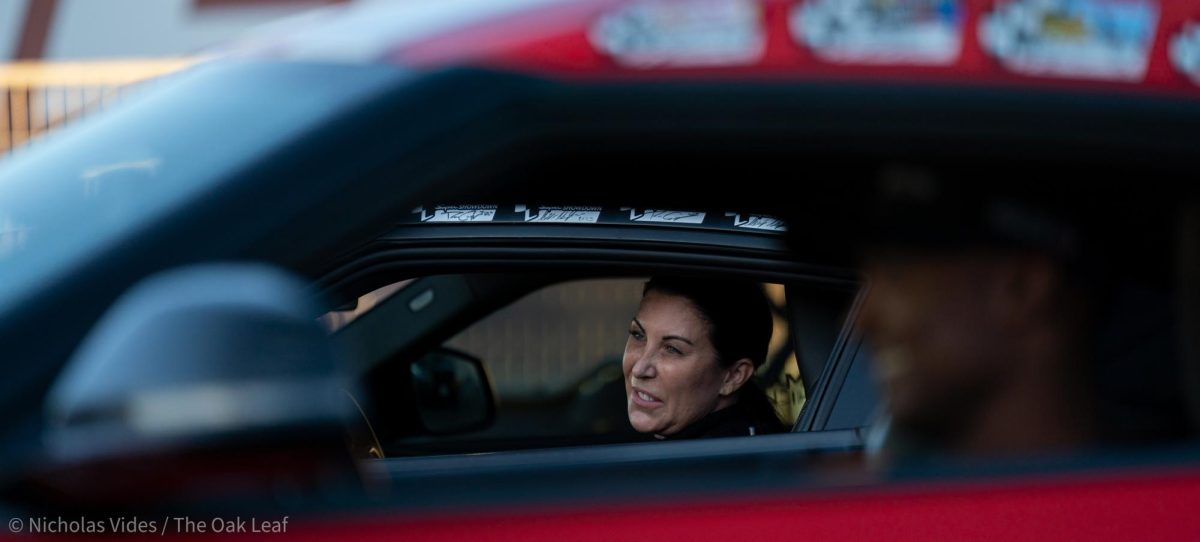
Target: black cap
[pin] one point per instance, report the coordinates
(923, 207)
(943, 207)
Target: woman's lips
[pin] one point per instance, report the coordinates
(641, 398)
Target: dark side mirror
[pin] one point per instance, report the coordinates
(197, 377)
(452, 392)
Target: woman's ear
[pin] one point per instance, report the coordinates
(736, 376)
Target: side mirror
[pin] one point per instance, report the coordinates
(198, 382)
(452, 392)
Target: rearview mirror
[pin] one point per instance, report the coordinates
(452, 392)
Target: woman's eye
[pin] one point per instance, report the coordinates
(637, 335)
(674, 351)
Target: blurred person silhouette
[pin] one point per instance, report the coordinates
(690, 358)
(979, 315)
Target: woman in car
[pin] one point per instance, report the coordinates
(689, 361)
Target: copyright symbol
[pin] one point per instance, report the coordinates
(15, 525)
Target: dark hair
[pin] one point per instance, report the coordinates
(739, 326)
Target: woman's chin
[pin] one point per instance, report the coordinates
(643, 423)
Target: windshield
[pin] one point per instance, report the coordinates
(68, 197)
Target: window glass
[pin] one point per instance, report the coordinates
(552, 354)
(554, 358)
(548, 341)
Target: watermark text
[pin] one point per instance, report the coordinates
(143, 525)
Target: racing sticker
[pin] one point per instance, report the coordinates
(660, 215)
(927, 32)
(682, 33)
(757, 222)
(573, 215)
(457, 213)
(1096, 39)
(1185, 51)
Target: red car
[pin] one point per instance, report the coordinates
(424, 219)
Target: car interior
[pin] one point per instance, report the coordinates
(549, 352)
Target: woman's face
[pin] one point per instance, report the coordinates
(671, 373)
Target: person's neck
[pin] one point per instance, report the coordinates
(722, 404)
(726, 402)
(1045, 410)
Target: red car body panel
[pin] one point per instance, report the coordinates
(1146, 505)
(553, 40)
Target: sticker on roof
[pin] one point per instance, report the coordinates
(757, 222)
(1097, 39)
(1185, 51)
(927, 32)
(682, 33)
(660, 215)
(457, 213)
(576, 215)
(594, 215)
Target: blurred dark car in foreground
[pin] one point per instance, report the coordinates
(418, 224)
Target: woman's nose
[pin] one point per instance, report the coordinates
(644, 366)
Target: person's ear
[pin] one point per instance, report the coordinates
(736, 376)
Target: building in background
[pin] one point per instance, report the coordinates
(59, 30)
(61, 59)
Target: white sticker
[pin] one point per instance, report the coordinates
(458, 213)
(924, 32)
(660, 215)
(1185, 51)
(682, 33)
(585, 215)
(757, 222)
(1095, 39)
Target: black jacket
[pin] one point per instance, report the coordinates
(732, 421)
